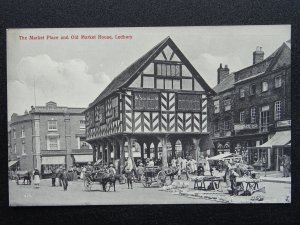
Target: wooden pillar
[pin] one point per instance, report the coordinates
(94, 153)
(114, 149)
(109, 148)
(164, 151)
(148, 149)
(130, 154)
(156, 150)
(196, 142)
(173, 148)
(142, 151)
(122, 153)
(277, 159)
(102, 146)
(99, 154)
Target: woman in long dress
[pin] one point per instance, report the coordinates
(36, 178)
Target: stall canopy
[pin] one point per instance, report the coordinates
(221, 156)
(53, 160)
(83, 158)
(280, 138)
(11, 163)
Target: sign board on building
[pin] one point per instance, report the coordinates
(283, 123)
(245, 126)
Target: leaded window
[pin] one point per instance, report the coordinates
(115, 107)
(168, 69)
(100, 113)
(277, 81)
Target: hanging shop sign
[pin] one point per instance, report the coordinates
(245, 126)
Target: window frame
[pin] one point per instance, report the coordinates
(49, 138)
(252, 117)
(280, 78)
(226, 125)
(52, 129)
(251, 90)
(216, 127)
(242, 115)
(262, 86)
(167, 65)
(277, 113)
(117, 107)
(227, 102)
(15, 148)
(242, 91)
(14, 134)
(218, 106)
(23, 149)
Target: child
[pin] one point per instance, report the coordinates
(129, 177)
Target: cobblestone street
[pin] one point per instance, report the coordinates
(27, 195)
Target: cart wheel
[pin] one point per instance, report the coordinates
(161, 177)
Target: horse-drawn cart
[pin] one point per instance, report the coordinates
(104, 178)
(153, 175)
(25, 175)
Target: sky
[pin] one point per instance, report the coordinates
(73, 72)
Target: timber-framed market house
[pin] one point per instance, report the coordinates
(159, 98)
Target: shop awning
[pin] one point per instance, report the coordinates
(220, 156)
(83, 158)
(280, 138)
(53, 160)
(11, 163)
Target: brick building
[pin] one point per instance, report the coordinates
(256, 120)
(47, 137)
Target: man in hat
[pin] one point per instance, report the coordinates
(64, 179)
(112, 170)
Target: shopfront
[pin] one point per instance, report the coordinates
(50, 163)
(270, 153)
(82, 160)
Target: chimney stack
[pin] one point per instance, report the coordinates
(222, 73)
(258, 55)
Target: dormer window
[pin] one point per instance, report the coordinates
(277, 81)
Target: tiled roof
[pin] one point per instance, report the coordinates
(225, 84)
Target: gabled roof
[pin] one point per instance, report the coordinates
(225, 84)
(131, 72)
(270, 60)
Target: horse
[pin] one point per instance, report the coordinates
(102, 177)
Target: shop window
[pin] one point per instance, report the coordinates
(242, 117)
(115, 107)
(52, 125)
(252, 89)
(264, 86)
(242, 93)
(277, 110)
(148, 82)
(146, 101)
(189, 102)
(253, 115)
(277, 81)
(216, 106)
